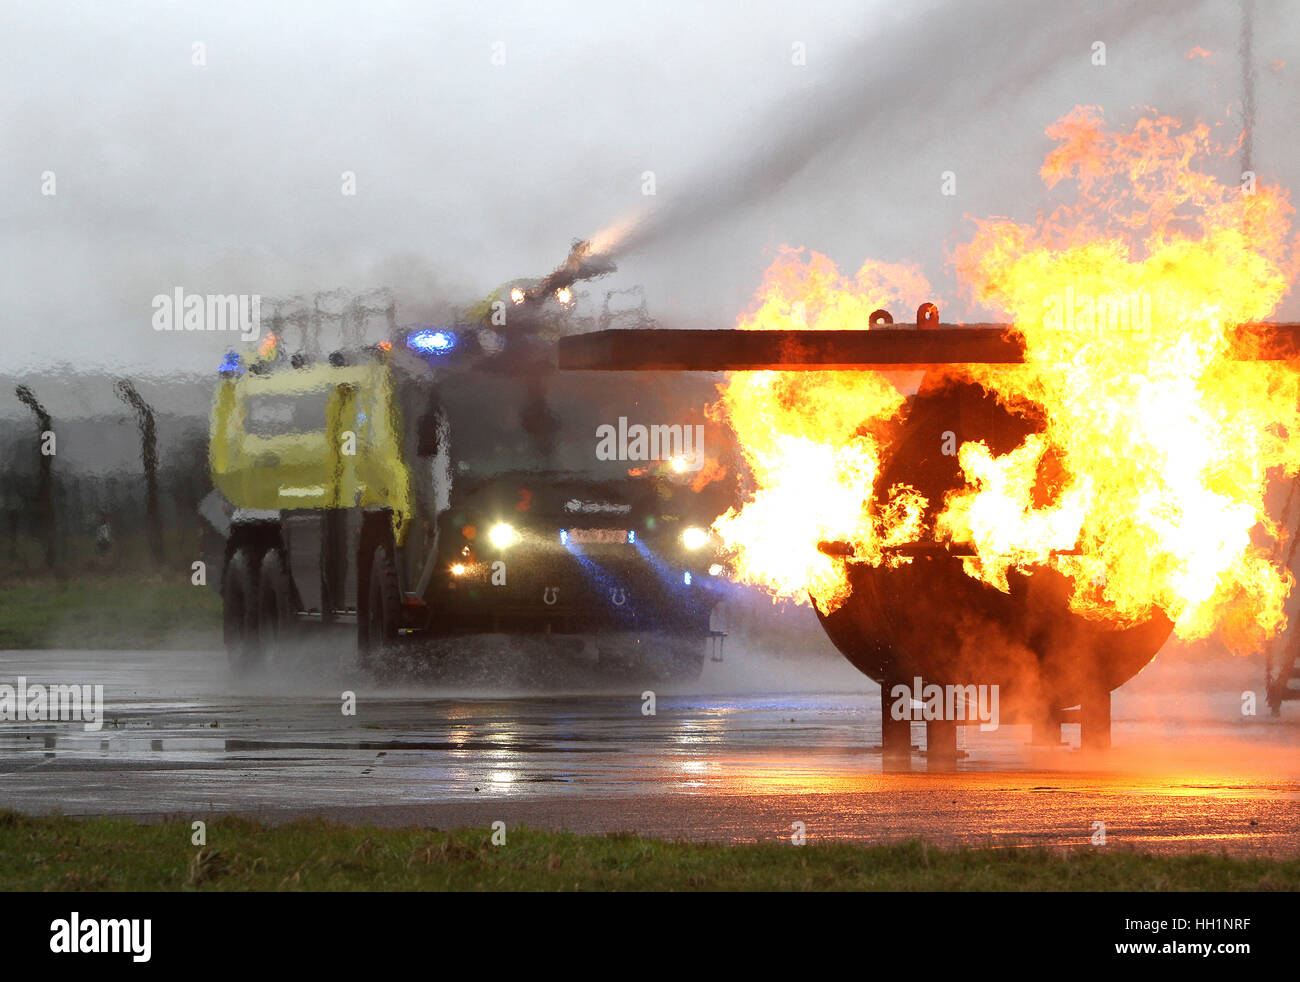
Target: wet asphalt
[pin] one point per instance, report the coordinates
(759, 743)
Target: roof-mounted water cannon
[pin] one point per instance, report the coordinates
(581, 264)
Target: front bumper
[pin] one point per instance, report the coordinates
(577, 590)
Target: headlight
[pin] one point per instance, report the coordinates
(501, 535)
(693, 538)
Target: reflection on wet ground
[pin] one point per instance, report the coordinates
(179, 737)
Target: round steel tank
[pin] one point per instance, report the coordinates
(928, 619)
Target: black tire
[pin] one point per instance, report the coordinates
(239, 611)
(275, 616)
(377, 627)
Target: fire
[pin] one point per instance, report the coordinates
(1159, 444)
(811, 439)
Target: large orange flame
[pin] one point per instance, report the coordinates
(810, 437)
(1161, 445)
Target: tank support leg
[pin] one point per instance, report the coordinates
(941, 744)
(895, 734)
(1094, 721)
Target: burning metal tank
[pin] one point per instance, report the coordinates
(926, 618)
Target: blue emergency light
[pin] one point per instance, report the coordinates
(230, 365)
(431, 341)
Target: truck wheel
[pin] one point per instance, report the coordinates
(377, 630)
(275, 620)
(239, 612)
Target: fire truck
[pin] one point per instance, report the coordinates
(447, 480)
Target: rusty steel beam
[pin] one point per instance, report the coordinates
(886, 348)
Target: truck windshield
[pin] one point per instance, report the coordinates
(607, 424)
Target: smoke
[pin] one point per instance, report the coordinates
(898, 87)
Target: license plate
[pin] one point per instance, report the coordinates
(594, 536)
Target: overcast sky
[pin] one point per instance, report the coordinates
(226, 177)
